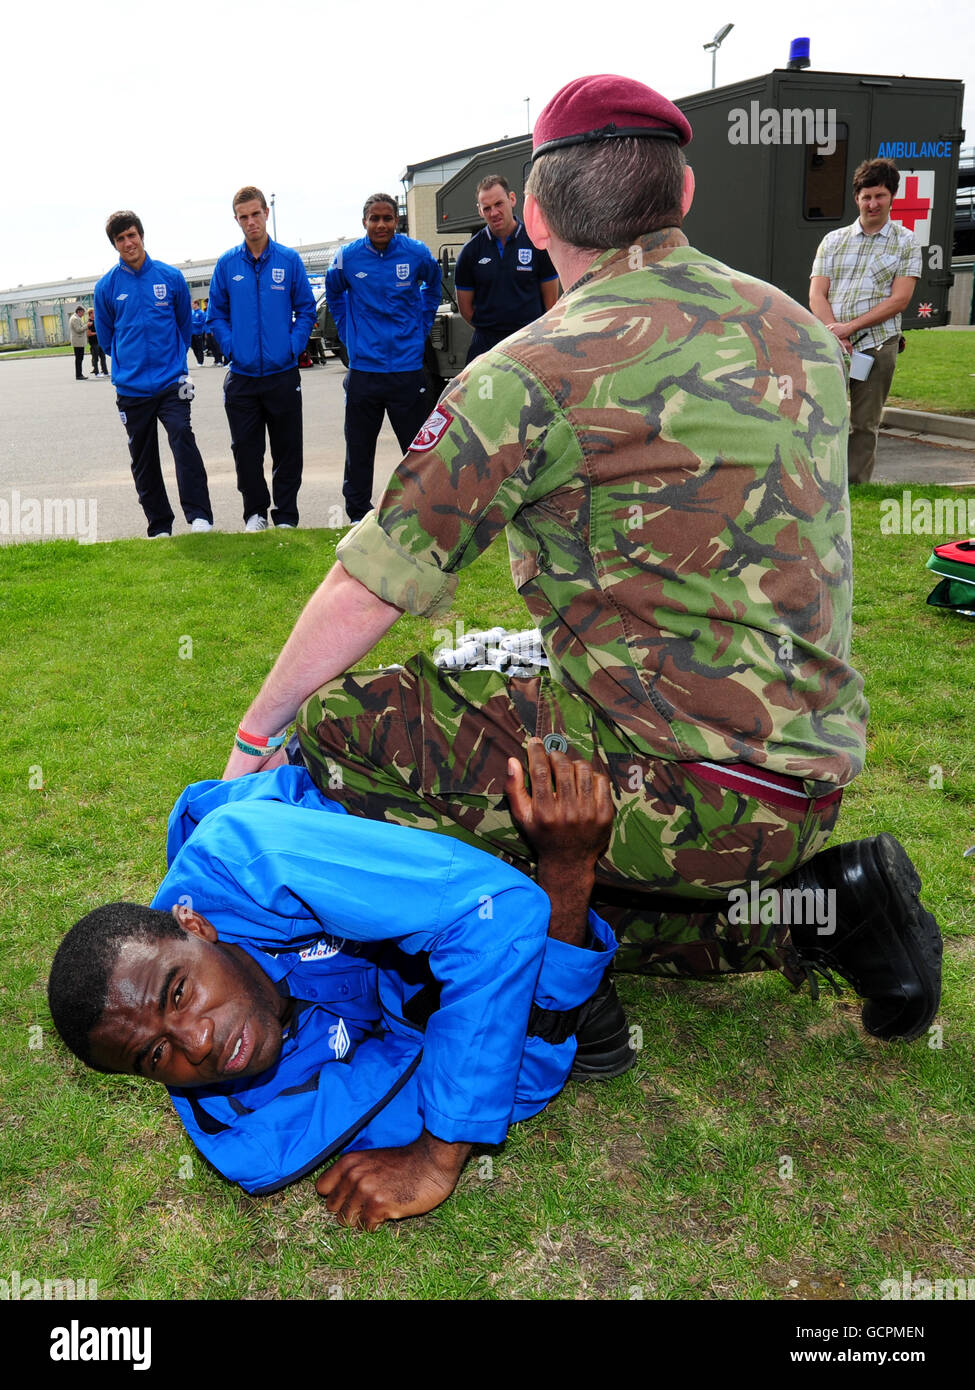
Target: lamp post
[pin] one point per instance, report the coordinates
(714, 45)
(274, 220)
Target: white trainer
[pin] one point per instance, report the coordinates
(256, 523)
(200, 523)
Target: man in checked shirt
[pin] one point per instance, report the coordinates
(863, 278)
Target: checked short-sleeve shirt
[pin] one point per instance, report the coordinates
(861, 270)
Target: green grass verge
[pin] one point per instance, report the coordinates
(64, 350)
(936, 371)
(763, 1147)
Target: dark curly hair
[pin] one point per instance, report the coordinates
(119, 222)
(873, 173)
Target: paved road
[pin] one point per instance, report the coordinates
(905, 458)
(61, 439)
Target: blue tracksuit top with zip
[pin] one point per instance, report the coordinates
(351, 918)
(143, 321)
(383, 302)
(261, 311)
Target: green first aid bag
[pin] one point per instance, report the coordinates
(955, 563)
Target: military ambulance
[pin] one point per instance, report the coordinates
(774, 160)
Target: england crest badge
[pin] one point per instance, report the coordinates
(159, 291)
(524, 255)
(403, 271)
(277, 274)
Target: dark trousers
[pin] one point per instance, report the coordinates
(253, 404)
(404, 397)
(139, 415)
(486, 338)
(79, 360)
(196, 343)
(97, 355)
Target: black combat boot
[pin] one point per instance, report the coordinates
(882, 940)
(603, 1037)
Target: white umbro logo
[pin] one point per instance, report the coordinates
(238, 277)
(485, 260)
(121, 296)
(338, 1038)
(361, 274)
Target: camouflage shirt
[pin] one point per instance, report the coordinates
(667, 450)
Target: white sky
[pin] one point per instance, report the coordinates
(169, 108)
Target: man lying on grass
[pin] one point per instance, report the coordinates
(309, 983)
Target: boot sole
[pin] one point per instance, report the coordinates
(604, 1068)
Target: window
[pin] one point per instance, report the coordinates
(825, 191)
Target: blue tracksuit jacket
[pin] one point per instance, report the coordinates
(143, 321)
(261, 312)
(341, 913)
(383, 302)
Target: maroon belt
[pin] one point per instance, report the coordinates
(777, 788)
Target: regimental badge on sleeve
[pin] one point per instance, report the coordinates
(431, 431)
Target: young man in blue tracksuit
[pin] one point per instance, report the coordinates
(261, 312)
(383, 292)
(311, 984)
(198, 328)
(143, 320)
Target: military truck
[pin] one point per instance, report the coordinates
(774, 159)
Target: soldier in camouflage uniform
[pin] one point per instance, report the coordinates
(665, 449)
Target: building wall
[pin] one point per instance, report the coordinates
(961, 308)
(421, 213)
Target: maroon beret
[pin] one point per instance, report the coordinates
(596, 108)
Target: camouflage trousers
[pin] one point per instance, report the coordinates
(423, 747)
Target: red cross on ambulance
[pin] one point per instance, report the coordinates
(914, 203)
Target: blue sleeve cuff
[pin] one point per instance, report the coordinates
(571, 974)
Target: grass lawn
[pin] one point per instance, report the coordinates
(763, 1147)
(936, 371)
(63, 350)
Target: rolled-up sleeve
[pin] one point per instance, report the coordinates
(495, 443)
(417, 585)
